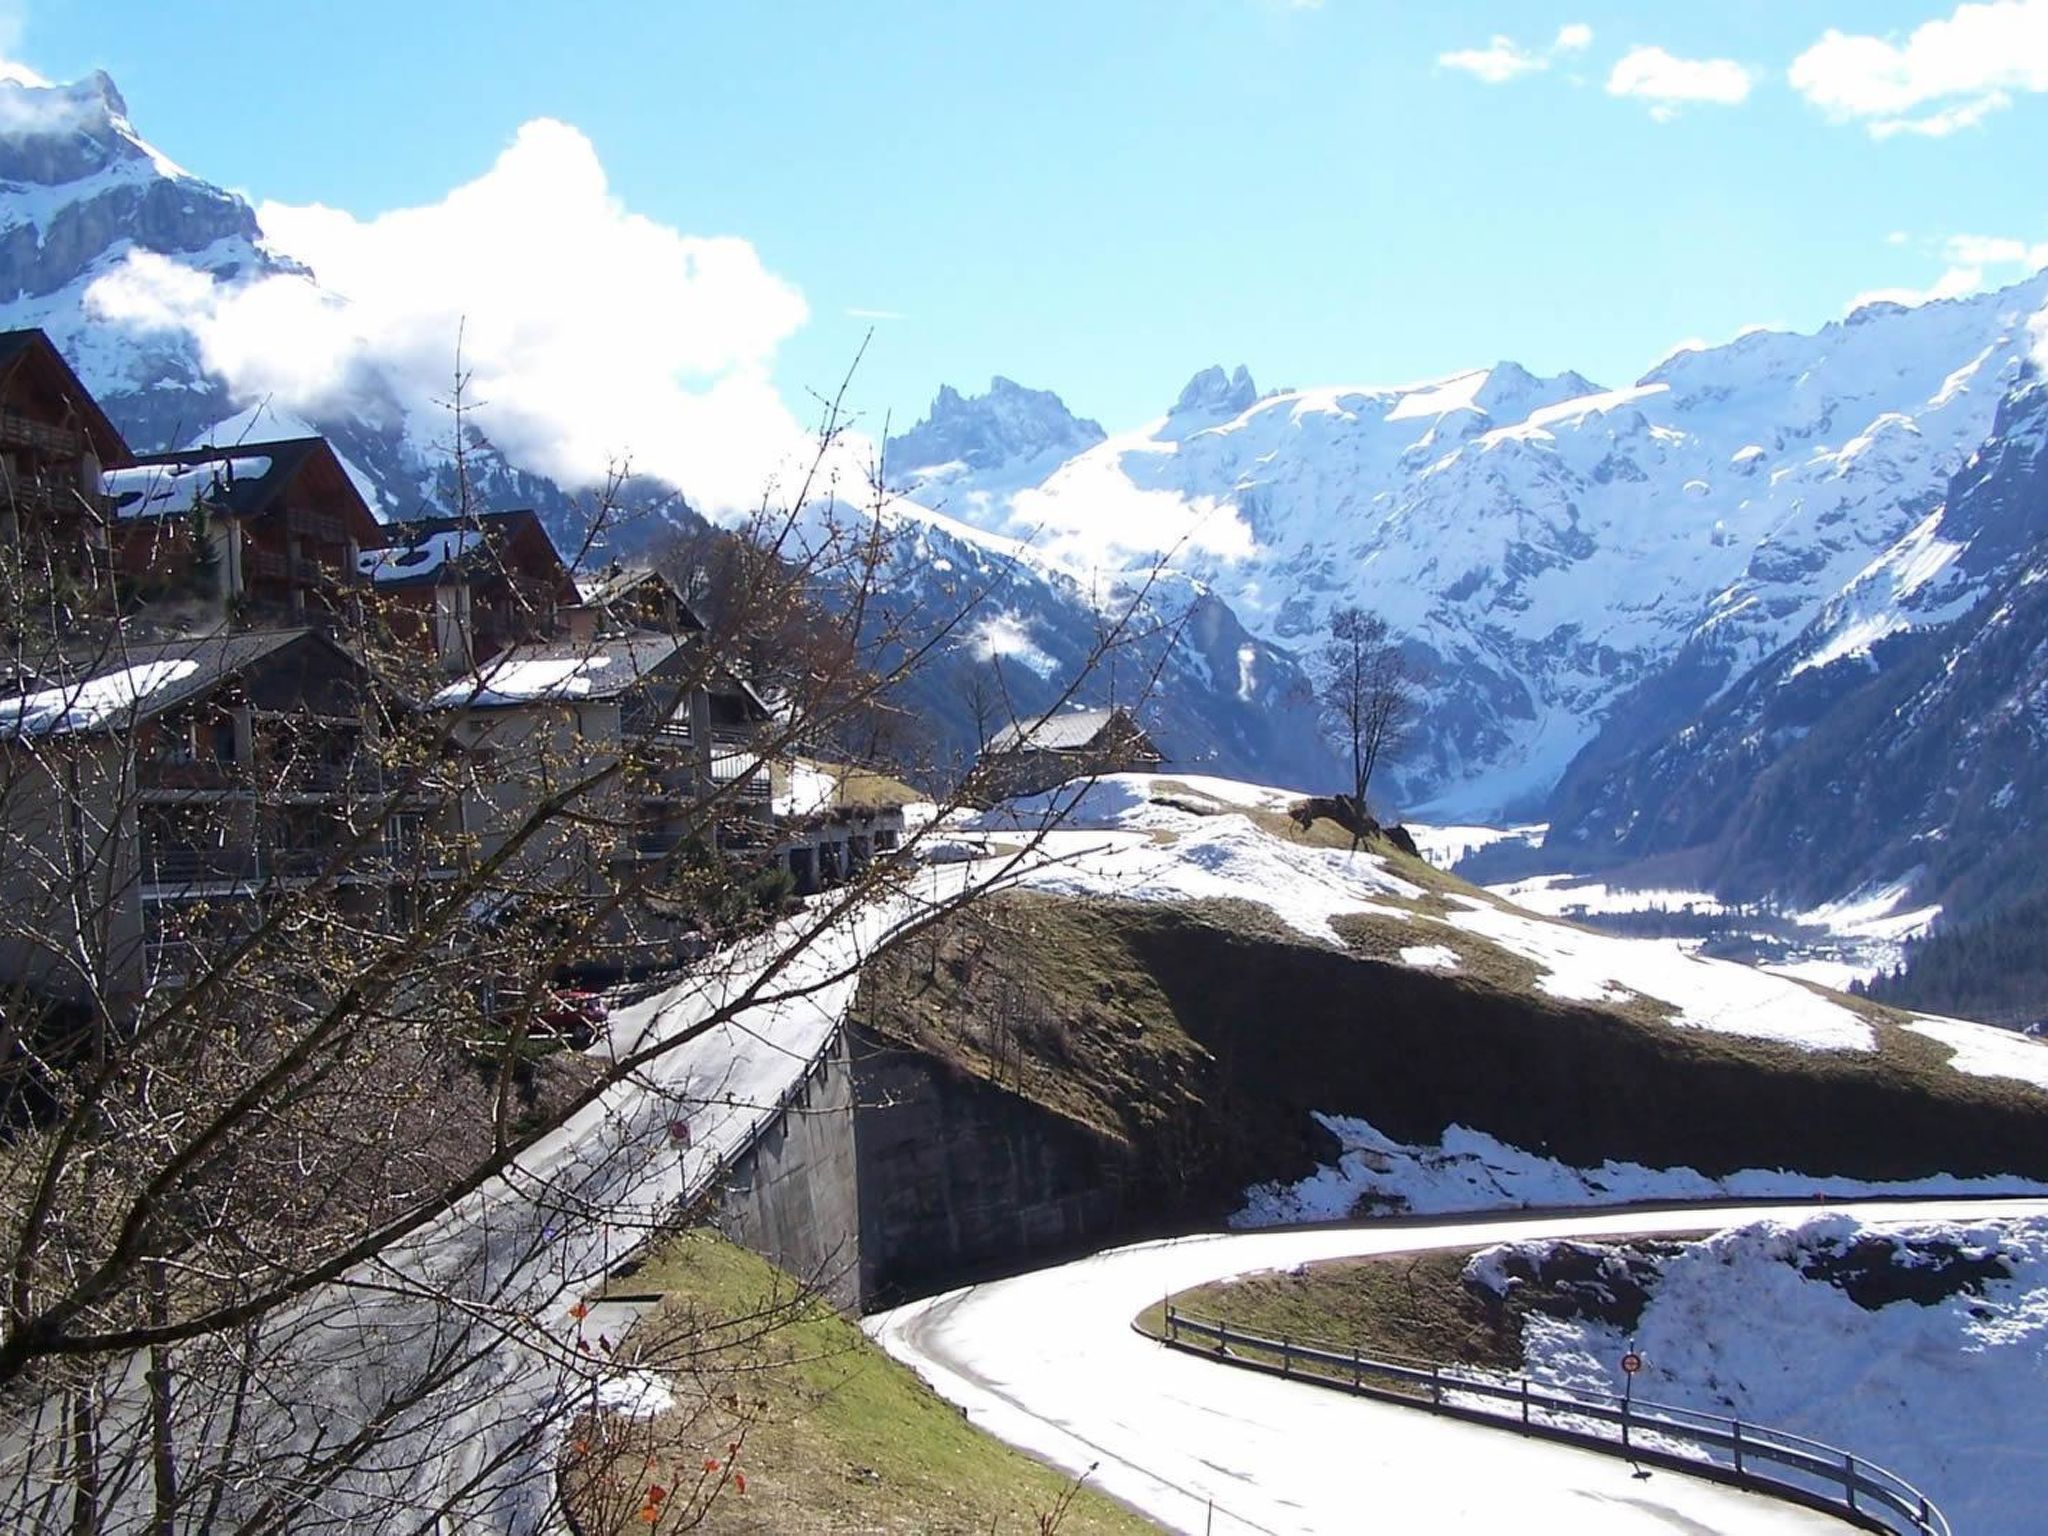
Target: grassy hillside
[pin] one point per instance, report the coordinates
(1403, 1307)
(787, 1420)
(1203, 1035)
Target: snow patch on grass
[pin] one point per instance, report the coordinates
(1985, 1052)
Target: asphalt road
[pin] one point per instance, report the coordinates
(1049, 1362)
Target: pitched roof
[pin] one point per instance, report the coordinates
(1073, 731)
(33, 348)
(425, 550)
(615, 583)
(559, 671)
(113, 689)
(244, 480)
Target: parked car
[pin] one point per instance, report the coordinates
(565, 1016)
(575, 1015)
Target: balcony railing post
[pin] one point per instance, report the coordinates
(1525, 1402)
(1286, 1358)
(1436, 1384)
(1735, 1430)
(1849, 1479)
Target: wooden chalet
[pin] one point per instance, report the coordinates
(1030, 757)
(470, 586)
(621, 599)
(214, 769)
(282, 524)
(54, 442)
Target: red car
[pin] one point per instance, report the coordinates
(575, 1015)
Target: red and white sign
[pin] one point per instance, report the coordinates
(1631, 1362)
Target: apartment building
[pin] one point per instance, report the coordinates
(224, 741)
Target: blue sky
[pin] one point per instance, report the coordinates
(1101, 198)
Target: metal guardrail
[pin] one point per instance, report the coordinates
(1755, 1456)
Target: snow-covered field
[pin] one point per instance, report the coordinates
(1951, 1394)
(1831, 945)
(1472, 1171)
(1154, 837)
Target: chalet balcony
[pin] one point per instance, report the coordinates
(741, 776)
(188, 776)
(321, 527)
(50, 495)
(199, 866)
(339, 778)
(18, 431)
(654, 844)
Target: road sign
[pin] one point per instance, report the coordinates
(1631, 1362)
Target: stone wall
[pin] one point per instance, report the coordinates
(960, 1180)
(891, 1175)
(793, 1197)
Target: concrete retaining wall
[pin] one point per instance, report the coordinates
(893, 1176)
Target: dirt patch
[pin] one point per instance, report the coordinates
(1874, 1272)
(1594, 1282)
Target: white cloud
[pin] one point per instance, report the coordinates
(1975, 263)
(1955, 283)
(875, 314)
(1668, 82)
(1503, 59)
(1996, 251)
(590, 332)
(1498, 62)
(1963, 67)
(1896, 237)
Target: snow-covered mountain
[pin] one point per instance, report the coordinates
(83, 197)
(1893, 743)
(1547, 548)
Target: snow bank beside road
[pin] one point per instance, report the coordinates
(1950, 1392)
(1472, 1171)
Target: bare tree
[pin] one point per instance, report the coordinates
(1367, 693)
(302, 1196)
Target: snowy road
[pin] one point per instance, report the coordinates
(1049, 1362)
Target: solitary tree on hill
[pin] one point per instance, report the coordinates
(1367, 692)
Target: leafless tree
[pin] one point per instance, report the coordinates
(1367, 693)
(302, 1204)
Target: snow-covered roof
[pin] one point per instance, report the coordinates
(1073, 731)
(108, 691)
(422, 550)
(558, 672)
(240, 480)
(154, 490)
(424, 557)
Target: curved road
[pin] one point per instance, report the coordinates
(1049, 1362)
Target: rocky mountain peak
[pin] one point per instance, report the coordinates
(1008, 425)
(80, 184)
(1212, 392)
